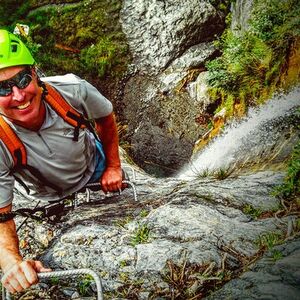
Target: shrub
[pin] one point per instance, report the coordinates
(100, 58)
(253, 62)
(12, 10)
(66, 33)
(290, 188)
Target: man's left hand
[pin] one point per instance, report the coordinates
(111, 180)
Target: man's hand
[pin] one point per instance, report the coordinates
(22, 275)
(111, 180)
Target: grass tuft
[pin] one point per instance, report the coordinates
(251, 211)
(141, 235)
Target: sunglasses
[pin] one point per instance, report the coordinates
(21, 80)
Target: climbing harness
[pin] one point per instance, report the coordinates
(63, 274)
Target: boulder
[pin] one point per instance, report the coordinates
(160, 31)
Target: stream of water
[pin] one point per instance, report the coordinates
(268, 133)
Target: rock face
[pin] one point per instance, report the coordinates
(170, 41)
(269, 278)
(160, 31)
(201, 223)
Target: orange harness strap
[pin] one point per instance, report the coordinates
(63, 108)
(13, 143)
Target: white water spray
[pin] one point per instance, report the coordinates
(250, 136)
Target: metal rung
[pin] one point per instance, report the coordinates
(97, 184)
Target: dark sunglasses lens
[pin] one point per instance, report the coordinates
(21, 80)
(24, 81)
(5, 89)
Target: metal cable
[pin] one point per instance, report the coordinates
(68, 273)
(132, 170)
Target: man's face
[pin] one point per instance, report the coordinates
(20, 96)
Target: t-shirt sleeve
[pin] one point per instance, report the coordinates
(6, 179)
(82, 95)
(94, 103)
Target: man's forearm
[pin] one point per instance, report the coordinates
(19, 274)
(107, 130)
(9, 245)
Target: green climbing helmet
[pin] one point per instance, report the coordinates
(13, 51)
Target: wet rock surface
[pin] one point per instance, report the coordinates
(132, 245)
(268, 278)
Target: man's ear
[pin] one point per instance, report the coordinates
(34, 72)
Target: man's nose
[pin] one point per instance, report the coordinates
(17, 94)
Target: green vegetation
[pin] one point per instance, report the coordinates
(12, 11)
(123, 263)
(54, 280)
(290, 188)
(100, 58)
(221, 174)
(85, 285)
(222, 5)
(251, 211)
(144, 213)
(130, 288)
(276, 255)
(123, 222)
(83, 37)
(141, 235)
(204, 173)
(269, 240)
(253, 62)
(190, 281)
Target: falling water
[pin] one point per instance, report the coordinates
(268, 133)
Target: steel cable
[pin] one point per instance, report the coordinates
(68, 273)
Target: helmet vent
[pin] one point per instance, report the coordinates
(14, 48)
(14, 45)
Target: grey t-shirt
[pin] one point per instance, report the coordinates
(64, 162)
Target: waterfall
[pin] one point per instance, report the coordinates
(268, 133)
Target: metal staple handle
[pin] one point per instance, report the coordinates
(68, 273)
(124, 181)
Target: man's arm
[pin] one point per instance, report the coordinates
(18, 274)
(106, 128)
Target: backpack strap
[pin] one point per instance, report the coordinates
(19, 155)
(13, 144)
(66, 111)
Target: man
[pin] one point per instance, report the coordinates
(63, 161)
